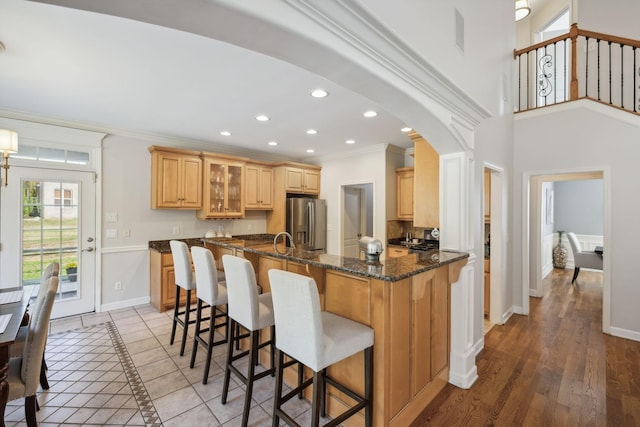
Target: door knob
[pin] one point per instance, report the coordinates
(88, 250)
(90, 239)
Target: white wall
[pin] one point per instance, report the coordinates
(618, 18)
(369, 166)
(126, 192)
(587, 136)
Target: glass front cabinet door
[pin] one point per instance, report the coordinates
(223, 189)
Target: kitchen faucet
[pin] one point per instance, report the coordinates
(408, 236)
(283, 233)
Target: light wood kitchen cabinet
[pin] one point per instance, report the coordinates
(163, 282)
(259, 186)
(394, 252)
(176, 178)
(302, 180)
(290, 178)
(426, 183)
(404, 203)
(223, 188)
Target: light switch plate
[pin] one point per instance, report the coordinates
(111, 233)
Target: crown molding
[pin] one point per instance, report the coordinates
(353, 24)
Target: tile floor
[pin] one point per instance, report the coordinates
(118, 369)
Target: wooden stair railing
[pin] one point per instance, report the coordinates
(579, 64)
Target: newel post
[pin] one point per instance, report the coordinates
(573, 34)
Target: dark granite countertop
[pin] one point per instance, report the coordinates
(162, 246)
(391, 270)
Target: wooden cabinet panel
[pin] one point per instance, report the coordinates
(259, 187)
(176, 179)
(163, 282)
(262, 273)
(302, 181)
(393, 252)
(421, 332)
(223, 188)
(404, 184)
(400, 346)
(426, 176)
(439, 321)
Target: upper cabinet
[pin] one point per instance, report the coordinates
(426, 183)
(404, 182)
(223, 188)
(259, 186)
(302, 180)
(176, 178)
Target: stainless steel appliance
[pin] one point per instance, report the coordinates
(307, 223)
(371, 247)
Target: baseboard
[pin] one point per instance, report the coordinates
(625, 333)
(516, 309)
(463, 371)
(125, 304)
(506, 316)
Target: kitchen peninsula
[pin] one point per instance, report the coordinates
(406, 300)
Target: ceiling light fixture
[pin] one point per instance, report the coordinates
(8, 145)
(225, 133)
(406, 129)
(350, 141)
(272, 143)
(262, 118)
(370, 113)
(522, 9)
(312, 131)
(319, 93)
(310, 150)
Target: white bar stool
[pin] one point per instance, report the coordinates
(184, 279)
(316, 339)
(253, 312)
(213, 292)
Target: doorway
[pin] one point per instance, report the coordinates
(357, 216)
(48, 215)
(493, 235)
(533, 238)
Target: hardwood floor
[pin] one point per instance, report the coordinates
(552, 368)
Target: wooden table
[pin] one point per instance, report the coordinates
(17, 309)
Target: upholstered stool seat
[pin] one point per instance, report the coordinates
(213, 293)
(252, 312)
(316, 339)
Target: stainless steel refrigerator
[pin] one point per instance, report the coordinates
(307, 223)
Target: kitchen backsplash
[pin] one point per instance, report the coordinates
(396, 228)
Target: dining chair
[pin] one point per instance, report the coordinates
(16, 349)
(24, 372)
(582, 259)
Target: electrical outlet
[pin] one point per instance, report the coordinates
(111, 217)
(118, 286)
(176, 230)
(126, 232)
(249, 227)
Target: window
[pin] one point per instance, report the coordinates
(45, 154)
(62, 197)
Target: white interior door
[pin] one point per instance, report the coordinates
(352, 222)
(48, 215)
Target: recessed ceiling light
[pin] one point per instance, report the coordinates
(312, 131)
(262, 118)
(310, 150)
(370, 114)
(405, 130)
(272, 143)
(225, 133)
(350, 141)
(319, 93)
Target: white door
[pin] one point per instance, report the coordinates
(48, 215)
(352, 222)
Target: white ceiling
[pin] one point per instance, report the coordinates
(107, 72)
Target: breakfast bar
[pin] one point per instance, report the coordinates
(406, 300)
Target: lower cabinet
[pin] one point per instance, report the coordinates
(394, 252)
(163, 282)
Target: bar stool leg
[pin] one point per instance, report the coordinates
(368, 386)
(253, 360)
(187, 312)
(196, 333)
(227, 369)
(176, 311)
(276, 399)
(317, 399)
(323, 391)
